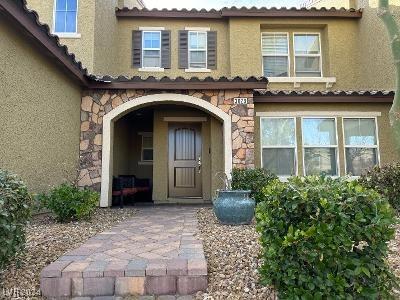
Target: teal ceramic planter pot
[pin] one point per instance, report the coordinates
(234, 207)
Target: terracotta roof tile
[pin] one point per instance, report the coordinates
(323, 93)
(233, 11)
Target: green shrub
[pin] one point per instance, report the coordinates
(15, 212)
(69, 203)
(385, 180)
(325, 238)
(252, 180)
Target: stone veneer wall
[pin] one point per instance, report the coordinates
(95, 104)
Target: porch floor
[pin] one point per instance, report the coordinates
(157, 252)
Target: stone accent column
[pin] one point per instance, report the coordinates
(96, 104)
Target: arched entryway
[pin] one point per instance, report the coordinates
(114, 115)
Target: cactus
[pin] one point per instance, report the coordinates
(394, 37)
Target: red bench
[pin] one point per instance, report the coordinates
(129, 185)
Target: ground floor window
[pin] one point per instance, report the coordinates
(319, 146)
(361, 144)
(278, 138)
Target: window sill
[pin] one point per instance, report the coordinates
(151, 69)
(193, 70)
(145, 163)
(65, 35)
(297, 81)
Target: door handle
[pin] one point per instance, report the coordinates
(199, 164)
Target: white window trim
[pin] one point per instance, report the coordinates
(66, 35)
(151, 28)
(296, 165)
(144, 135)
(336, 147)
(378, 154)
(270, 55)
(150, 69)
(344, 114)
(197, 70)
(307, 55)
(197, 28)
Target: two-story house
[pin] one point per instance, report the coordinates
(176, 96)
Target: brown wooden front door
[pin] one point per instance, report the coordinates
(184, 160)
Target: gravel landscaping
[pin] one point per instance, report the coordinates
(47, 240)
(232, 257)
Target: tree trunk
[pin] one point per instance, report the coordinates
(394, 37)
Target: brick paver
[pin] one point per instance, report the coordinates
(157, 252)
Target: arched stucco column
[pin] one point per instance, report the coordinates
(123, 109)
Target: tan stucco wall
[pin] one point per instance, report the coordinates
(331, 3)
(386, 146)
(39, 116)
(338, 40)
(82, 47)
(123, 62)
(105, 37)
(376, 65)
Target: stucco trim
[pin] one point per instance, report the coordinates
(319, 113)
(108, 131)
(197, 28)
(151, 28)
(297, 81)
(185, 119)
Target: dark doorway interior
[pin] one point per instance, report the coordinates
(133, 158)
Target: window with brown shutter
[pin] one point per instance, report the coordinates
(212, 50)
(183, 49)
(197, 49)
(151, 49)
(136, 48)
(166, 49)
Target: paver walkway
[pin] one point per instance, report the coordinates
(157, 252)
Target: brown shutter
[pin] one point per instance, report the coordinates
(212, 50)
(166, 49)
(136, 48)
(183, 49)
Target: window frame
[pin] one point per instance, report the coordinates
(378, 155)
(150, 49)
(336, 147)
(269, 55)
(146, 135)
(191, 50)
(64, 33)
(295, 147)
(307, 55)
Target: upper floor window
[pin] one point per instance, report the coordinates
(275, 51)
(361, 144)
(65, 16)
(307, 55)
(151, 49)
(320, 146)
(278, 140)
(197, 50)
(277, 55)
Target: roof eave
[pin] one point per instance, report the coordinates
(235, 12)
(166, 83)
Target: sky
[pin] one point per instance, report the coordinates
(208, 4)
